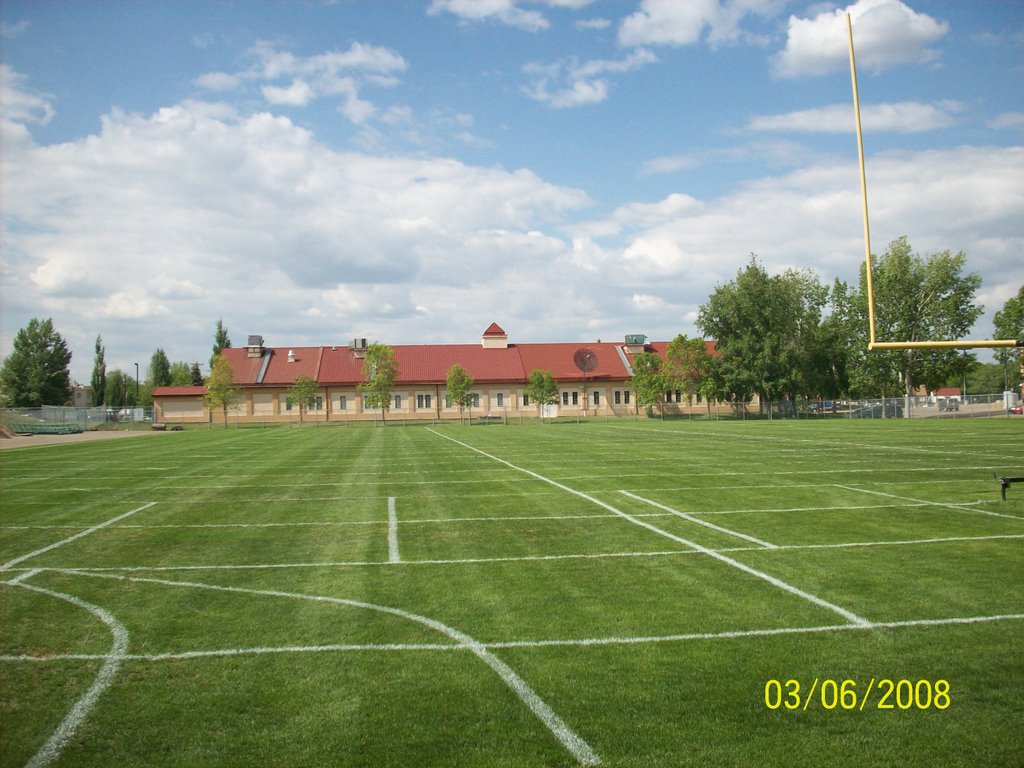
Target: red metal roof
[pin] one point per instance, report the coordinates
(494, 330)
(429, 363)
(189, 391)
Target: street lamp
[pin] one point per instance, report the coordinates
(136, 384)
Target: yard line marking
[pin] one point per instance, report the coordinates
(69, 539)
(698, 521)
(957, 507)
(573, 743)
(393, 556)
(517, 559)
(848, 615)
(23, 576)
(78, 713)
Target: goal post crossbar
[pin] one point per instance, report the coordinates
(873, 344)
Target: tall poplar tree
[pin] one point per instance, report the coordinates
(221, 341)
(98, 383)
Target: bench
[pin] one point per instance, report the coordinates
(1004, 483)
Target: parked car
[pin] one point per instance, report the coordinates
(949, 404)
(1018, 409)
(892, 411)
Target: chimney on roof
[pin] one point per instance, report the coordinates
(255, 347)
(291, 355)
(358, 348)
(494, 337)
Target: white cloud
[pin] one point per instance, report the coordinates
(886, 33)
(10, 31)
(898, 117)
(218, 81)
(505, 12)
(671, 22)
(20, 103)
(570, 83)
(298, 94)
(595, 23)
(1012, 121)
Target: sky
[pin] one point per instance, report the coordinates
(411, 171)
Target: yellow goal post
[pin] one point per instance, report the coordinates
(873, 343)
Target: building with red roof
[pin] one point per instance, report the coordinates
(499, 371)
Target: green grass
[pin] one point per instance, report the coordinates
(266, 624)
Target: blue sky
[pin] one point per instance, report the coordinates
(412, 171)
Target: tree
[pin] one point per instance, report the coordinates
(181, 374)
(767, 330)
(1009, 323)
(36, 372)
(117, 388)
(541, 389)
(197, 375)
(221, 390)
(648, 382)
(221, 341)
(301, 393)
(459, 384)
(916, 298)
(99, 374)
(686, 364)
(380, 371)
(160, 369)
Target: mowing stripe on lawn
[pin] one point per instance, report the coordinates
(69, 539)
(568, 738)
(957, 507)
(698, 521)
(393, 556)
(848, 615)
(51, 750)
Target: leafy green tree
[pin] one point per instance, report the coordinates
(541, 389)
(459, 384)
(221, 390)
(301, 393)
(916, 298)
(686, 364)
(98, 383)
(181, 374)
(160, 369)
(767, 330)
(1009, 323)
(117, 388)
(36, 372)
(380, 371)
(221, 341)
(648, 382)
(197, 375)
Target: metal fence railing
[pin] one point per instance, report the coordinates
(82, 418)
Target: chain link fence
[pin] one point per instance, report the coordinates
(58, 418)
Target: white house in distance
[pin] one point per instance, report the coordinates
(499, 371)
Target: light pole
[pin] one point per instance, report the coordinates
(136, 384)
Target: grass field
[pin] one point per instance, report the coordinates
(545, 595)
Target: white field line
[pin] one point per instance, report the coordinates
(51, 750)
(848, 615)
(582, 642)
(23, 576)
(957, 507)
(698, 521)
(69, 539)
(393, 556)
(517, 559)
(573, 743)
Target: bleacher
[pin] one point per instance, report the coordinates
(45, 428)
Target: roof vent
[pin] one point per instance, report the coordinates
(494, 337)
(359, 348)
(255, 347)
(291, 355)
(635, 343)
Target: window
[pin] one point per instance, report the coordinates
(447, 401)
(597, 398)
(342, 403)
(398, 402)
(575, 398)
(419, 402)
(501, 399)
(474, 400)
(287, 405)
(318, 405)
(565, 398)
(618, 397)
(625, 397)
(526, 399)
(422, 402)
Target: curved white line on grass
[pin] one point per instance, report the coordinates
(575, 745)
(698, 521)
(848, 615)
(81, 708)
(69, 539)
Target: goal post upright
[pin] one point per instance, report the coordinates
(873, 344)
